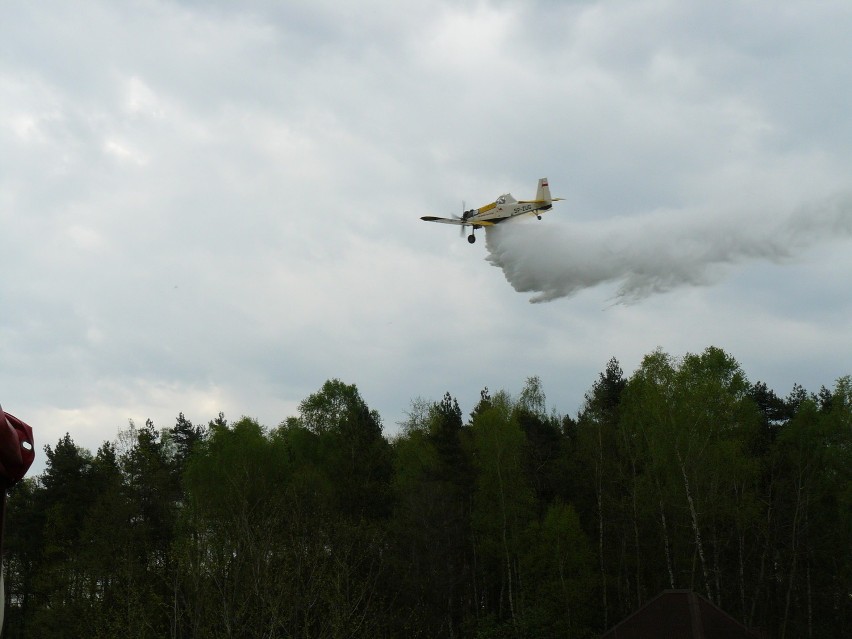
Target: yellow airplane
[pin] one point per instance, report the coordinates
(503, 208)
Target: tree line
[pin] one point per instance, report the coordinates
(511, 522)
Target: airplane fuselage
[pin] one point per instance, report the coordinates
(495, 213)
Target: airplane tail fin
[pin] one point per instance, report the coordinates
(543, 192)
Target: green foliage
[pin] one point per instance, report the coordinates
(516, 523)
(560, 566)
(351, 446)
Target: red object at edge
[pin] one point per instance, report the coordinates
(17, 451)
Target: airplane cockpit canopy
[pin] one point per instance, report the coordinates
(506, 198)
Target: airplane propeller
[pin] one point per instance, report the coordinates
(466, 216)
(462, 219)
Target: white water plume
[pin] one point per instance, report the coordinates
(656, 252)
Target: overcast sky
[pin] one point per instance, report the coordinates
(214, 206)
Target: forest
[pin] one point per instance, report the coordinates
(510, 522)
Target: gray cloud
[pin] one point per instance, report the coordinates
(214, 206)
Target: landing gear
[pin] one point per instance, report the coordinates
(471, 238)
(538, 216)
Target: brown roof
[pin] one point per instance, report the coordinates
(679, 614)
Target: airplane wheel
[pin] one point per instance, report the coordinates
(471, 238)
(538, 216)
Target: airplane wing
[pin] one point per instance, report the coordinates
(446, 220)
(443, 220)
